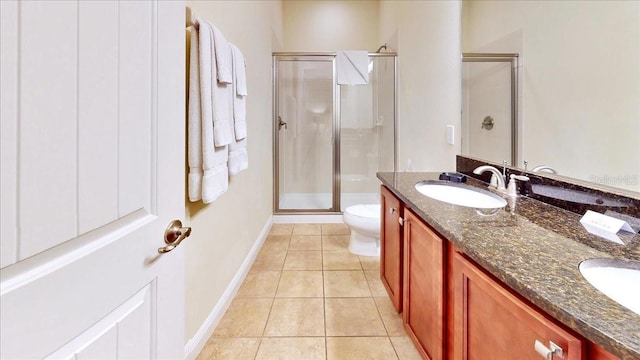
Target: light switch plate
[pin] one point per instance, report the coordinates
(450, 135)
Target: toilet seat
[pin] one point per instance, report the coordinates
(371, 211)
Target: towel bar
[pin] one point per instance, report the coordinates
(189, 17)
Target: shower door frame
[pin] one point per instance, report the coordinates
(335, 143)
(513, 59)
(336, 192)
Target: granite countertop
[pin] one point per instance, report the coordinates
(535, 249)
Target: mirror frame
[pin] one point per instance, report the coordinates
(513, 59)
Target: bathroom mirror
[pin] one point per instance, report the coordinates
(578, 83)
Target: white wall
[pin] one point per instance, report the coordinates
(225, 230)
(580, 81)
(328, 25)
(426, 35)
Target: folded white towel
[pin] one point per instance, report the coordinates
(194, 132)
(239, 95)
(223, 56)
(352, 67)
(222, 93)
(238, 157)
(215, 179)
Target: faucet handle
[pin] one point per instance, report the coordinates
(520, 177)
(512, 189)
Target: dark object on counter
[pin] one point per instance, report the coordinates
(453, 177)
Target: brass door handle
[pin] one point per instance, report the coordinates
(174, 235)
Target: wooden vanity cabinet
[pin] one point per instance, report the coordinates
(424, 287)
(391, 246)
(492, 323)
(598, 353)
(452, 308)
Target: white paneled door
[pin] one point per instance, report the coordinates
(92, 172)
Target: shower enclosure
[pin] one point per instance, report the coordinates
(490, 106)
(330, 139)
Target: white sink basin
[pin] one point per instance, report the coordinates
(618, 279)
(459, 194)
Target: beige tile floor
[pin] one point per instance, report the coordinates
(307, 297)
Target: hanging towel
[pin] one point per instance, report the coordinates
(238, 157)
(240, 93)
(352, 67)
(223, 57)
(222, 93)
(215, 178)
(239, 71)
(194, 124)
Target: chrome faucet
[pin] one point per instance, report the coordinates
(498, 175)
(544, 168)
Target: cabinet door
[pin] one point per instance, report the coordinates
(391, 247)
(492, 323)
(424, 287)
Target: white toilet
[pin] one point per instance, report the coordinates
(364, 222)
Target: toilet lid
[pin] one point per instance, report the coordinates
(366, 211)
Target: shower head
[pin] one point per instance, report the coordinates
(384, 46)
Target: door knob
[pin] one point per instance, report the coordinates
(174, 235)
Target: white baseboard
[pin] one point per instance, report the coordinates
(199, 340)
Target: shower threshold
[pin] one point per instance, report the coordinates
(305, 201)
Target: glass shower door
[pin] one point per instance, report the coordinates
(304, 126)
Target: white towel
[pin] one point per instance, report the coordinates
(239, 95)
(352, 67)
(215, 179)
(222, 93)
(194, 120)
(239, 73)
(223, 56)
(238, 157)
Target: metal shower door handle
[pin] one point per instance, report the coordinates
(487, 123)
(281, 123)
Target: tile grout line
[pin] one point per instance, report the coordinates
(324, 298)
(273, 299)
